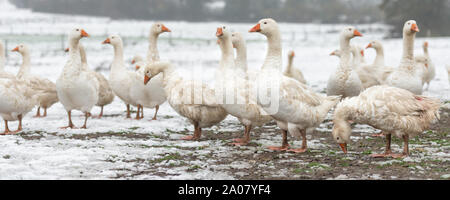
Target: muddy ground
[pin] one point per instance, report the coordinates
(214, 158)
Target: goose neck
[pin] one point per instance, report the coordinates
(241, 56)
(273, 57)
(408, 47)
(25, 67)
(345, 50)
(153, 54)
(379, 59)
(226, 48)
(2, 57)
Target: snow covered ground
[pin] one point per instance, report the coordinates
(115, 147)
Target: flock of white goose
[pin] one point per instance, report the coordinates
(387, 98)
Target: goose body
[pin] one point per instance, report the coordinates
(189, 98)
(77, 88)
(17, 98)
(408, 75)
(393, 110)
(47, 88)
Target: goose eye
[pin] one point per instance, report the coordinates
(265, 22)
(224, 27)
(159, 25)
(337, 138)
(78, 30)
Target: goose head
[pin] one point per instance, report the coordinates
(336, 53)
(223, 33)
(266, 27)
(158, 28)
(374, 44)
(153, 69)
(21, 48)
(350, 32)
(237, 39)
(410, 27)
(341, 134)
(113, 40)
(425, 45)
(291, 54)
(136, 59)
(77, 34)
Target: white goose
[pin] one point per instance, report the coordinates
(379, 68)
(233, 78)
(429, 71)
(17, 98)
(121, 79)
(189, 98)
(152, 94)
(296, 107)
(3, 73)
(345, 81)
(105, 93)
(393, 110)
(293, 72)
(45, 86)
(77, 88)
(408, 75)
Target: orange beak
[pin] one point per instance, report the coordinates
(107, 41)
(369, 46)
(425, 44)
(293, 54)
(66, 50)
(415, 28)
(256, 28)
(357, 33)
(343, 147)
(332, 53)
(165, 29)
(132, 62)
(138, 67)
(426, 65)
(219, 32)
(15, 49)
(362, 53)
(83, 33)
(146, 79)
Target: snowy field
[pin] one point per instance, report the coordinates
(115, 147)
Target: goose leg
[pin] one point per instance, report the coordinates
(387, 151)
(197, 133)
(19, 128)
(304, 144)
(245, 139)
(86, 116)
(38, 113)
(128, 111)
(45, 112)
(69, 113)
(7, 131)
(138, 113)
(101, 112)
(405, 148)
(142, 112)
(156, 112)
(284, 145)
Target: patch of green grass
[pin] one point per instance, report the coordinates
(300, 171)
(134, 128)
(167, 157)
(6, 156)
(367, 152)
(194, 167)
